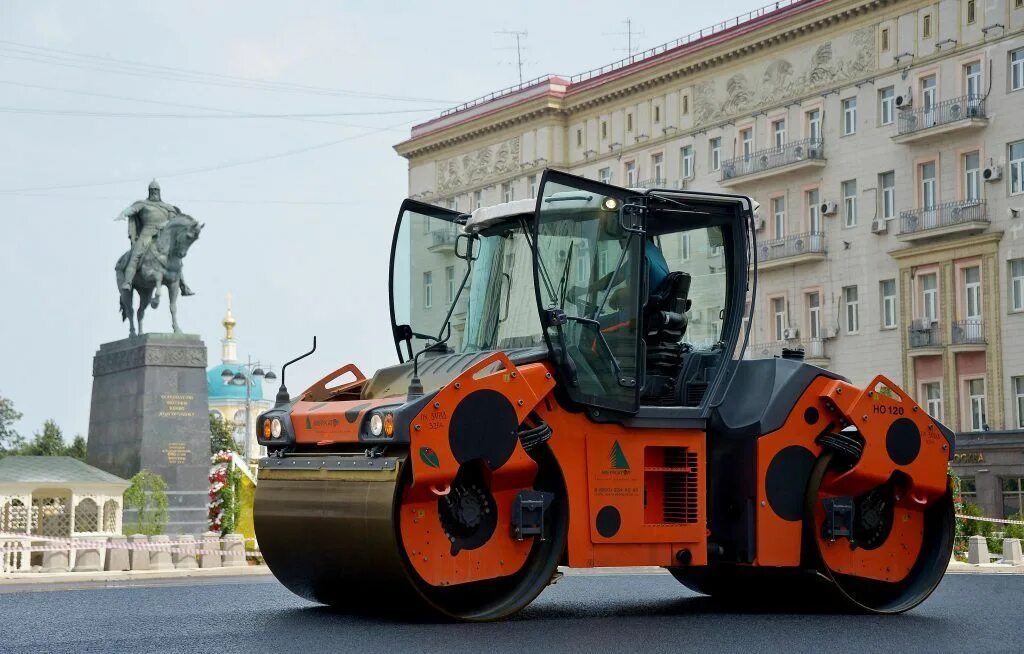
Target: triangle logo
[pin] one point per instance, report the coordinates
(617, 458)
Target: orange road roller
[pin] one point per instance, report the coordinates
(574, 388)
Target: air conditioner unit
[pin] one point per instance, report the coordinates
(790, 333)
(879, 226)
(905, 101)
(829, 332)
(759, 223)
(992, 173)
(829, 208)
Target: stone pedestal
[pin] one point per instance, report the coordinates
(210, 543)
(160, 559)
(117, 555)
(233, 547)
(1012, 552)
(185, 560)
(139, 558)
(150, 412)
(89, 560)
(977, 550)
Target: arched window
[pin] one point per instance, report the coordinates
(110, 511)
(87, 516)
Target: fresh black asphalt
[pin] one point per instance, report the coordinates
(592, 614)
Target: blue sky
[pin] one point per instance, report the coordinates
(301, 240)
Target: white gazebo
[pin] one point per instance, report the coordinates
(56, 497)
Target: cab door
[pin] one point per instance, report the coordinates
(588, 264)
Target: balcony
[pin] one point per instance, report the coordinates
(924, 338)
(791, 250)
(779, 160)
(969, 332)
(443, 240)
(965, 112)
(814, 350)
(661, 182)
(964, 217)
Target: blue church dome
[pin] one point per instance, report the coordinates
(218, 390)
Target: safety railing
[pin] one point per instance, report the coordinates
(774, 157)
(924, 335)
(791, 246)
(941, 113)
(943, 215)
(442, 238)
(968, 332)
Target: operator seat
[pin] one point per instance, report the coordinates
(664, 323)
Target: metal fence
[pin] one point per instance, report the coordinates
(791, 246)
(942, 113)
(966, 332)
(443, 237)
(924, 336)
(773, 157)
(943, 215)
(814, 348)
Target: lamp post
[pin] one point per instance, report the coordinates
(238, 378)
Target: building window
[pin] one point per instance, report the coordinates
(686, 105)
(531, 186)
(604, 129)
(1013, 496)
(972, 82)
(970, 12)
(604, 175)
(928, 90)
(886, 105)
(972, 177)
(715, 149)
(657, 114)
(779, 317)
(930, 297)
(686, 161)
(885, 39)
(972, 292)
(779, 216)
(1018, 394)
(926, 26)
(630, 168)
(850, 202)
(779, 130)
(507, 192)
(849, 116)
(1017, 70)
(813, 314)
(852, 309)
(1017, 168)
(887, 288)
(428, 289)
(477, 200)
(968, 490)
(932, 393)
(888, 183)
(814, 124)
(629, 122)
(976, 397)
(449, 278)
(928, 187)
(657, 166)
(579, 138)
(747, 139)
(1017, 284)
(814, 211)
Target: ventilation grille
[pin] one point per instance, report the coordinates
(680, 487)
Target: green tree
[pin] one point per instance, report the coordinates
(9, 438)
(147, 495)
(77, 448)
(221, 437)
(48, 442)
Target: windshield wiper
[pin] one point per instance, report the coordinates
(563, 283)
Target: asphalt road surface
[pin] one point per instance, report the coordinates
(582, 613)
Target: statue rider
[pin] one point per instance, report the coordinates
(145, 220)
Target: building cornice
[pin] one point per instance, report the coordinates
(960, 247)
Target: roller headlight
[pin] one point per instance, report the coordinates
(275, 428)
(376, 424)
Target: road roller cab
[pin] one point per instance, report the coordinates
(572, 388)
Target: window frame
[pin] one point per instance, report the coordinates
(929, 297)
(1017, 382)
(428, 289)
(849, 203)
(888, 195)
(851, 309)
(813, 313)
(449, 278)
(658, 165)
(1016, 72)
(778, 207)
(884, 39)
(890, 306)
(927, 401)
(1016, 287)
(686, 161)
(973, 401)
(972, 293)
(887, 105)
(715, 153)
(780, 319)
(779, 132)
(971, 176)
(849, 109)
(1016, 168)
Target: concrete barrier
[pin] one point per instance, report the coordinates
(90, 560)
(185, 561)
(1012, 552)
(118, 559)
(977, 550)
(161, 560)
(233, 547)
(139, 558)
(58, 561)
(210, 542)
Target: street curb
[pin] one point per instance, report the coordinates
(27, 578)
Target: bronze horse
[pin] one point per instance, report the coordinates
(160, 266)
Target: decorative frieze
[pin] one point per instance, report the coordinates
(473, 168)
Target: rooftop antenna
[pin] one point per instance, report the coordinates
(629, 34)
(282, 393)
(518, 36)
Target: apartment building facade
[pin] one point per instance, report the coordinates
(884, 141)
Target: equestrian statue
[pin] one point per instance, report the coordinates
(160, 236)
